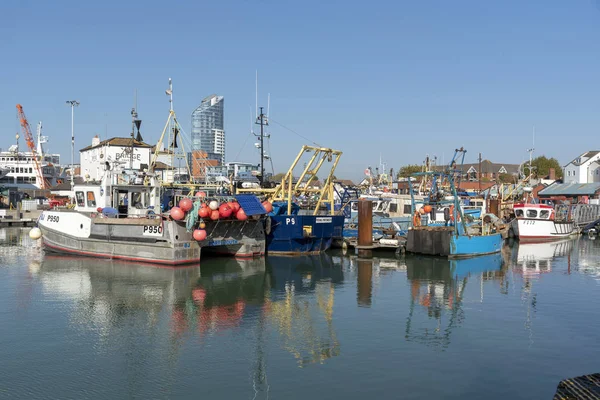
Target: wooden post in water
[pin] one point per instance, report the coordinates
(365, 228)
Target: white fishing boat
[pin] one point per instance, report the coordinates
(121, 218)
(541, 222)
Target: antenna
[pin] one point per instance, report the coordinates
(268, 103)
(169, 93)
(256, 95)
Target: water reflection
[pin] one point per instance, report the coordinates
(301, 305)
(437, 286)
(533, 259)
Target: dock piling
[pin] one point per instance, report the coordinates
(365, 228)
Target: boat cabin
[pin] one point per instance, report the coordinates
(132, 197)
(534, 211)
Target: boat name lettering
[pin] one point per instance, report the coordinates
(290, 221)
(323, 220)
(529, 222)
(222, 242)
(52, 218)
(153, 230)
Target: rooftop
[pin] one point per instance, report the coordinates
(118, 141)
(570, 189)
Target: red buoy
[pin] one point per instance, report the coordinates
(241, 215)
(268, 206)
(225, 211)
(235, 206)
(214, 215)
(199, 234)
(200, 194)
(185, 204)
(177, 213)
(204, 211)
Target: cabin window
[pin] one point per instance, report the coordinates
(136, 200)
(393, 207)
(531, 213)
(80, 199)
(544, 214)
(91, 199)
(407, 209)
(519, 213)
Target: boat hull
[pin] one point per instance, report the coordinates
(442, 241)
(150, 240)
(536, 230)
(302, 234)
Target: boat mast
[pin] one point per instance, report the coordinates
(263, 121)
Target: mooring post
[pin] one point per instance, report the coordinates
(365, 228)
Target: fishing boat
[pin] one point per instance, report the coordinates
(456, 238)
(541, 222)
(121, 218)
(303, 218)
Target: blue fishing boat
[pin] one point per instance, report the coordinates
(303, 219)
(455, 238)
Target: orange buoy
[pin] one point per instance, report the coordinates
(241, 215)
(268, 206)
(177, 213)
(204, 211)
(185, 204)
(427, 209)
(214, 215)
(225, 211)
(199, 234)
(202, 225)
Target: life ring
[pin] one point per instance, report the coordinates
(416, 219)
(452, 214)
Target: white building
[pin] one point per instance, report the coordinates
(124, 151)
(583, 169)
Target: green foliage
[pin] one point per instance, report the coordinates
(408, 170)
(541, 167)
(277, 177)
(505, 178)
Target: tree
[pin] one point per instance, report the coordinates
(541, 167)
(408, 170)
(505, 178)
(277, 177)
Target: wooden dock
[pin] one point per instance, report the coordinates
(15, 218)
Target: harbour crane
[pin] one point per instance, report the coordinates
(31, 144)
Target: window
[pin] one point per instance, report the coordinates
(80, 199)
(531, 213)
(393, 207)
(519, 213)
(91, 199)
(407, 209)
(544, 214)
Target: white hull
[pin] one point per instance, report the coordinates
(537, 230)
(151, 240)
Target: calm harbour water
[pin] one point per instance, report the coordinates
(330, 326)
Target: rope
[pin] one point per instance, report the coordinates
(192, 217)
(293, 131)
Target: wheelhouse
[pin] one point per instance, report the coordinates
(534, 211)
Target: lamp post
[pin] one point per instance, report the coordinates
(73, 103)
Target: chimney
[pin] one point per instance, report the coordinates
(95, 141)
(552, 174)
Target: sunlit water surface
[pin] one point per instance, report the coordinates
(332, 326)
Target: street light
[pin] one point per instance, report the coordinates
(73, 103)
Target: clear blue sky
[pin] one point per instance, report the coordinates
(396, 78)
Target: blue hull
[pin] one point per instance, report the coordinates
(465, 246)
(303, 234)
(461, 268)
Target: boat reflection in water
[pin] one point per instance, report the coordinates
(532, 259)
(438, 285)
(301, 305)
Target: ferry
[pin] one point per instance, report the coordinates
(541, 222)
(17, 168)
